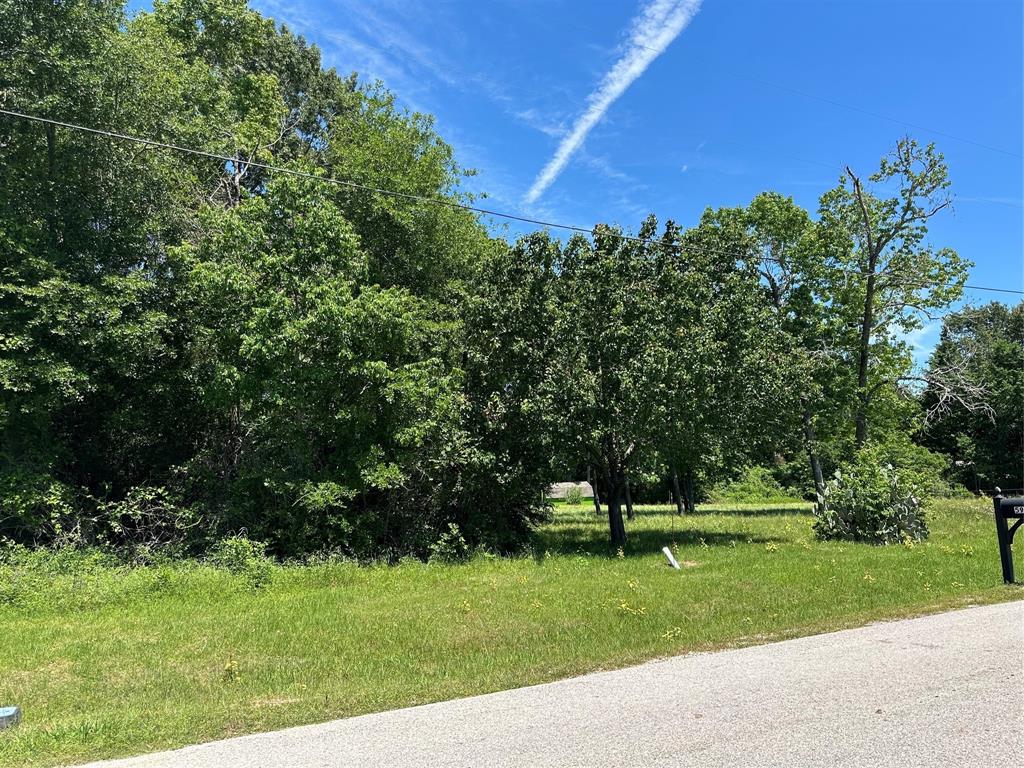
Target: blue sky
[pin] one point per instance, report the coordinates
(722, 108)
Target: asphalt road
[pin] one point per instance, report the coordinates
(943, 690)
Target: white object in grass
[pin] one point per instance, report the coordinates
(9, 717)
(671, 559)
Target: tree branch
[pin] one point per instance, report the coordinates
(953, 388)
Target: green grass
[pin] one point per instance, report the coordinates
(112, 661)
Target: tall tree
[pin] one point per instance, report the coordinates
(334, 419)
(109, 381)
(974, 396)
(728, 394)
(509, 352)
(898, 275)
(607, 392)
(798, 283)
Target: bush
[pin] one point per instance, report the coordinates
(148, 518)
(872, 502)
(756, 484)
(451, 547)
(914, 462)
(37, 507)
(574, 495)
(243, 557)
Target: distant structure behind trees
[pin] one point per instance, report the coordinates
(569, 490)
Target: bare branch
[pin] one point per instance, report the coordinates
(936, 209)
(953, 387)
(859, 192)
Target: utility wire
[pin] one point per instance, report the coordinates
(423, 198)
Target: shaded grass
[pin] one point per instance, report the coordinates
(110, 661)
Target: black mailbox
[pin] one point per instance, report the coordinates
(1007, 510)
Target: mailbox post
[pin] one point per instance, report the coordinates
(1006, 510)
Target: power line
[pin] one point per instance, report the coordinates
(423, 198)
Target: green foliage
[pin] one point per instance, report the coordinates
(147, 518)
(334, 384)
(451, 547)
(871, 502)
(574, 495)
(190, 347)
(902, 277)
(981, 349)
(756, 484)
(509, 351)
(243, 557)
(915, 463)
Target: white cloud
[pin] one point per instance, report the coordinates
(653, 30)
(383, 41)
(533, 119)
(921, 340)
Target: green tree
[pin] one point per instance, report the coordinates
(895, 275)
(806, 289)
(974, 395)
(90, 338)
(727, 354)
(329, 412)
(123, 367)
(607, 392)
(510, 353)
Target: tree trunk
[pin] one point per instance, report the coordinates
(677, 496)
(629, 500)
(688, 492)
(592, 477)
(810, 442)
(867, 320)
(616, 525)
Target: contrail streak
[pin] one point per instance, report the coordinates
(654, 29)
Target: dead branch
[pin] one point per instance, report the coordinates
(953, 387)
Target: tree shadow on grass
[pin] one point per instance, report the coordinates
(768, 510)
(586, 516)
(591, 540)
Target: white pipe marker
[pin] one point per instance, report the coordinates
(671, 559)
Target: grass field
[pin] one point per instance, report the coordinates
(114, 661)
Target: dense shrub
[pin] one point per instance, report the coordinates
(451, 547)
(755, 484)
(147, 518)
(574, 495)
(872, 502)
(243, 557)
(916, 463)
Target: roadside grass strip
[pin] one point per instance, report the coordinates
(108, 660)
